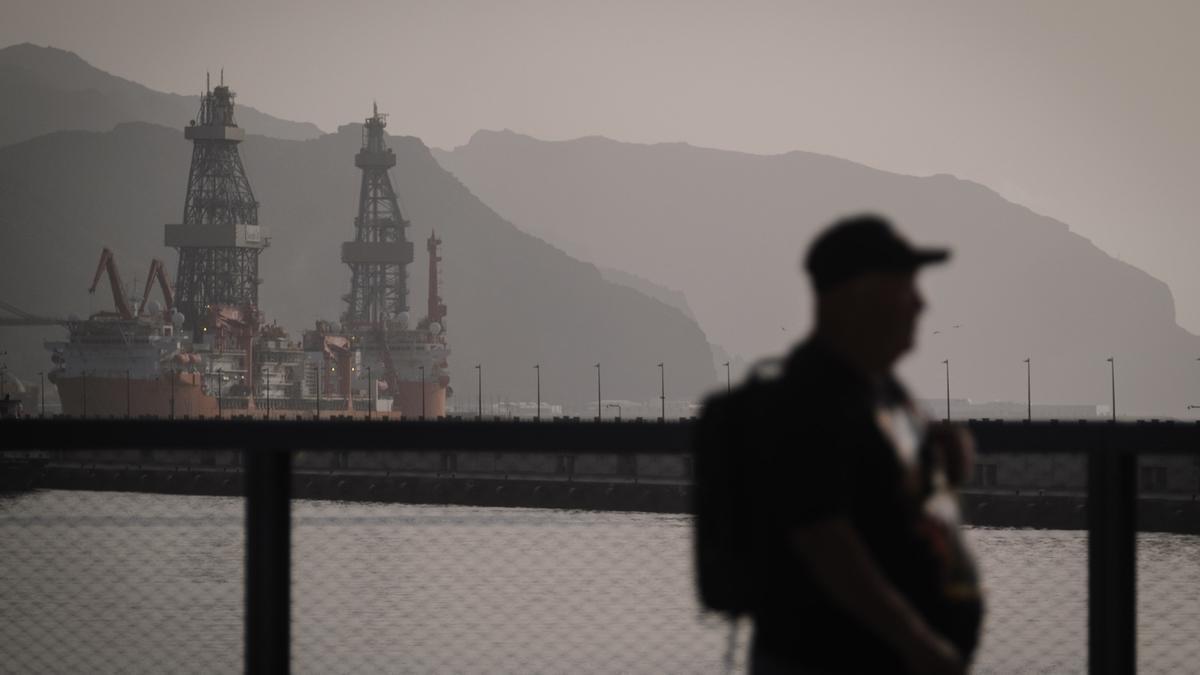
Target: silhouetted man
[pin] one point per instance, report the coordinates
(863, 569)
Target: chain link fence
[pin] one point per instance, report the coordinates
(1168, 608)
(425, 589)
(119, 581)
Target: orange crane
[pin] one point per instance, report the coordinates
(109, 263)
(157, 273)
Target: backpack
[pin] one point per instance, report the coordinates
(729, 442)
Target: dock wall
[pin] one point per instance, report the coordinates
(610, 482)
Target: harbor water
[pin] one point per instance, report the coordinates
(128, 582)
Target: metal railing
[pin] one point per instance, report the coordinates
(1111, 450)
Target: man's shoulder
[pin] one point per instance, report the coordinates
(811, 372)
(809, 385)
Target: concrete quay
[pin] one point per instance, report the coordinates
(614, 485)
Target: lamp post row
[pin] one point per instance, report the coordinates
(1112, 365)
(538, 370)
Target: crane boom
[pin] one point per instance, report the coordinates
(22, 318)
(157, 273)
(108, 262)
(33, 321)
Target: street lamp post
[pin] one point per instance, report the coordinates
(319, 369)
(422, 392)
(479, 390)
(618, 407)
(662, 391)
(947, 362)
(728, 381)
(1112, 369)
(538, 368)
(1028, 392)
(599, 404)
(1190, 407)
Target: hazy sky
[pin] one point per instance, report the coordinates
(1086, 111)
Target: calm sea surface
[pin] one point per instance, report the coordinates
(114, 582)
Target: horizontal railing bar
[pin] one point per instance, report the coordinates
(272, 436)
(1142, 438)
(649, 438)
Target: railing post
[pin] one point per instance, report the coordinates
(1112, 554)
(268, 560)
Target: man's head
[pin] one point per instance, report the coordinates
(864, 275)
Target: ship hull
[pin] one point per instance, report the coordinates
(408, 402)
(118, 397)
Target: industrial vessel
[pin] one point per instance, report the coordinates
(208, 351)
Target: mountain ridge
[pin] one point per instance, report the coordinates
(727, 229)
(57, 90)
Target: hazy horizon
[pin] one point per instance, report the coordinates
(1081, 111)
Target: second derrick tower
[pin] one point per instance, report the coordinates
(410, 356)
(380, 253)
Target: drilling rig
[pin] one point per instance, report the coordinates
(412, 360)
(209, 351)
(219, 240)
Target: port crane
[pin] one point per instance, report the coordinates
(157, 273)
(108, 263)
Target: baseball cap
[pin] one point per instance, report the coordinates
(861, 244)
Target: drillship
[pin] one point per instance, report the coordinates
(208, 351)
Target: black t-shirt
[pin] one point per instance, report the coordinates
(841, 446)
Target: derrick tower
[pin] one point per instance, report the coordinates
(219, 240)
(379, 255)
(409, 357)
